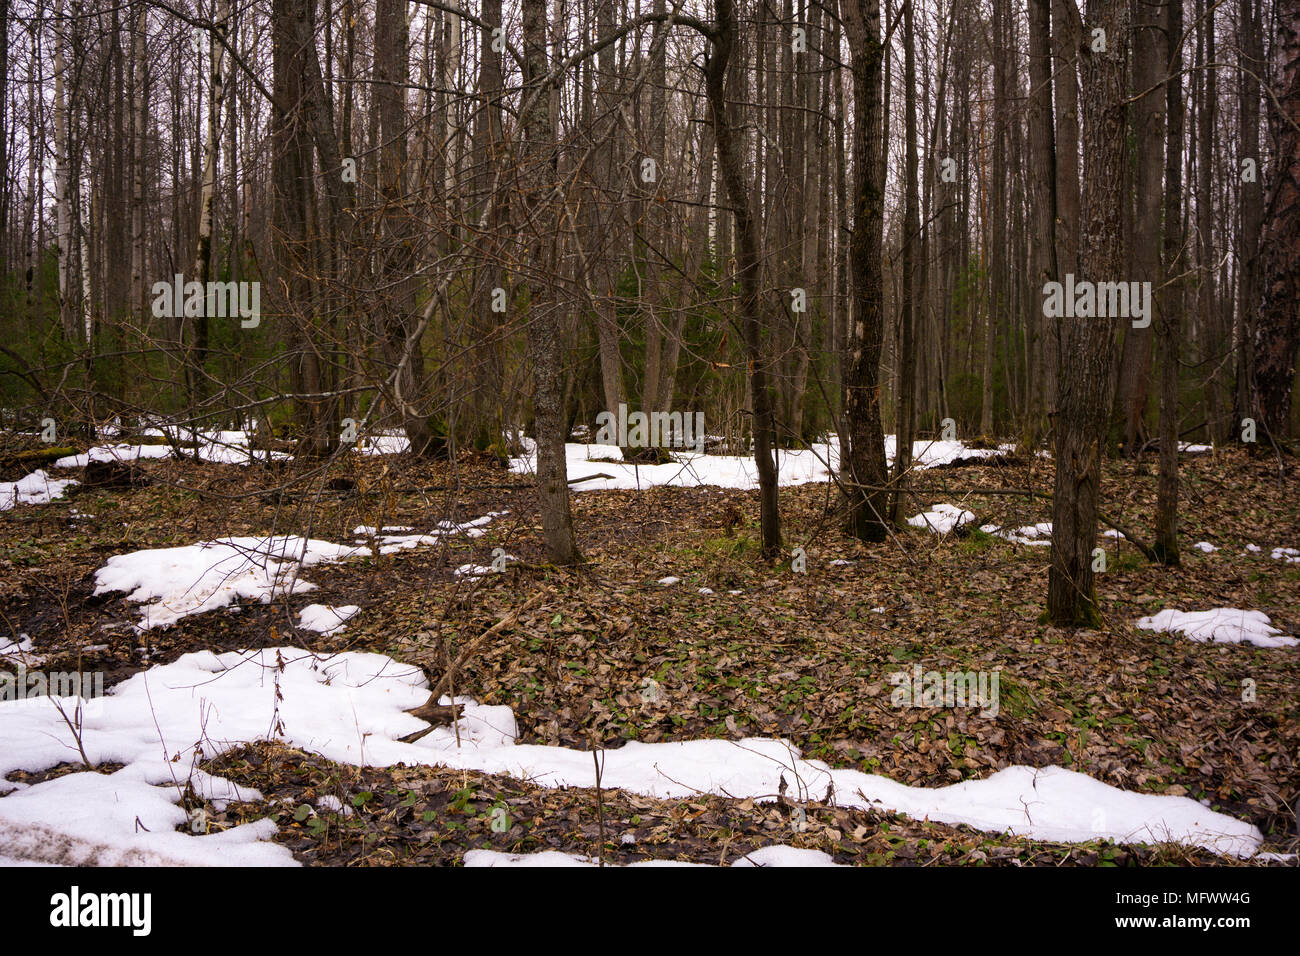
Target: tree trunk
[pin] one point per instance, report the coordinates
(1042, 182)
(1251, 61)
(544, 342)
(911, 235)
(748, 265)
(1148, 130)
(1277, 336)
(1084, 401)
(202, 270)
(395, 260)
(1067, 34)
(139, 139)
(291, 191)
(1207, 323)
(62, 186)
(1170, 301)
(862, 440)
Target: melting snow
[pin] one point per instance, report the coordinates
(176, 582)
(351, 708)
(38, 488)
(1222, 625)
(730, 471)
(942, 519)
(114, 453)
(326, 619)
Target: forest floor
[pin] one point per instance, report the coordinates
(771, 652)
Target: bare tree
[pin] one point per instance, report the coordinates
(544, 337)
(1170, 302)
(1083, 402)
(1277, 335)
(862, 442)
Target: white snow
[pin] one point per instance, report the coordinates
(331, 803)
(1039, 535)
(777, 855)
(114, 453)
(351, 708)
(942, 519)
(8, 647)
(479, 859)
(221, 447)
(20, 649)
(325, 618)
(122, 819)
(177, 582)
(729, 471)
(370, 531)
(1289, 555)
(785, 856)
(1205, 546)
(387, 443)
(1222, 625)
(389, 542)
(38, 488)
(669, 581)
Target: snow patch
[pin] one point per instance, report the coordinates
(325, 618)
(1221, 625)
(767, 856)
(114, 453)
(943, 519)
(351, 708)
(176, 582)
(22, 650)
(38, 488)
(691, 469)
(1038, 535)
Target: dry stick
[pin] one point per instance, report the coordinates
(430, 710)
(600, 801)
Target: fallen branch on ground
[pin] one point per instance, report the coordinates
(431, 710)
